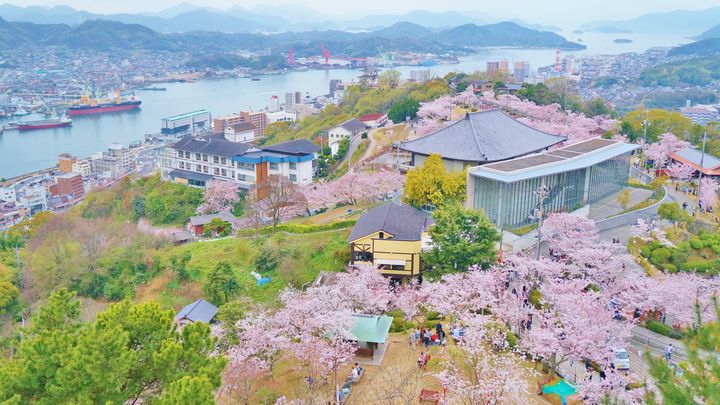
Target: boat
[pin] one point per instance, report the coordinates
(20, 112)
(153, 88)
(88, 106)
(623, 41)
(255, 79)
(44, 124)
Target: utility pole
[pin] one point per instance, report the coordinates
(702, 166)
(542, 194)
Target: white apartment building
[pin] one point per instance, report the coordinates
(347, 129)
(195, 161)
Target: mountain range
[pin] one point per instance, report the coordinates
(186, 17)
(106, 35)
(687, 22)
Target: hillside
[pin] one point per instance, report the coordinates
(691, 72)
(106, 35)
(705, 47)
(687, 22)
(713, 32)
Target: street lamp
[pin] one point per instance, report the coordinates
(702, 165)
(542, 194)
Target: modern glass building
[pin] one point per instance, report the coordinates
(576, 175)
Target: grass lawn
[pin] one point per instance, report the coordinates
(308, 253)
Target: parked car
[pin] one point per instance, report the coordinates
(622, 359)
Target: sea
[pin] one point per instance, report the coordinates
(24, 152)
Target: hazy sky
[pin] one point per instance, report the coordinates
(564, 12)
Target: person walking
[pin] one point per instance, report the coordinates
(668, 352)
(413, 343)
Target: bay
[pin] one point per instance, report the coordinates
(23, 152)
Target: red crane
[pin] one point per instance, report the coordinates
(291, 57)
(326, 53)
(558, 68)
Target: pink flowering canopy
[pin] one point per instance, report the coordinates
(661, 150)
(708, 192)
(220, 196)
(352, 188)
(680, 171)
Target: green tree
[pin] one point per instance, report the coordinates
(698, 383)
(598, 106)
(221, 283)
(8, 295)
(659, 122)
(405, 107)
(431, 184)
(229, 314)
(189, 391)
(389, 79)
(179, 264)
(130, 353)
(461, 238)
(674, 213)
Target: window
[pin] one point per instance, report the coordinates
(198, 168)
(382, 235)
(182, 165)
(293, 166)
(223, 161)
(362, 256)
(216, 159)
(293, 178)
(187, 155)
(223, 172)
(274, 166)
(216, 171)
(205, 169)
(204, 157)
(197, 156)
(180, 153)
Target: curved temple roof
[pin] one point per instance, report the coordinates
(485, 136)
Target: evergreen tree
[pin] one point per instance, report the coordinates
(221, 283)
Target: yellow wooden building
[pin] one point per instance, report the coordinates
(391, 238)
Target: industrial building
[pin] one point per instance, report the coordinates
(189, 122)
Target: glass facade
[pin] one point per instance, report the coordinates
(513, 204)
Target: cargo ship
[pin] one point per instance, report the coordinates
(43, 124)
(87, 106)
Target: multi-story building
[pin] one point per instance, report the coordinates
(8, 194)
(66, 162)
(33, 198)
(257, 119)
(69, 184)
(521, 71)
(347, 129)
(115, 163)
(700, 114)
(82, 167)
(303, 111)
(280, 116)
(195, 161)
(10, 215)
(291, 99)
(188, 122)
(219, 124)
(242, 132)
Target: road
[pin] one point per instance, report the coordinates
(146, 160)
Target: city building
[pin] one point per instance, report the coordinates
(280, 116)
(68, 184)
(521, 71)
(197, 160)
(113, 164)
(291, 99)
(83, 167)
(10, 215)
(575, 176)
(347, 129)
(241, 132)
(303, 111)
(33, 198)
(374, 120)
(421, 75)
(391, 238)
(219, 124)
(66, 162)
(257, 119)
(700, 114)
(492, 67)
(8, 194)
(481, 86)
(188, 122)
(479, 138)
(709, 165)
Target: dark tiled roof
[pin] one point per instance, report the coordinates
(485, 136)
(185, 174)
(353, 125)
(211, 146)
(401, 221)
(198, 311)
(294, 147)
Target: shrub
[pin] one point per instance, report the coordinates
(511, 339)
(696, 244)
(433, 316)
(701, 266)
(660, 256)
(399, 324)
(266, 260)
(536, 298)
(663, 329)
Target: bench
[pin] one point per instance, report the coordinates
(355, 380)
(429, 396)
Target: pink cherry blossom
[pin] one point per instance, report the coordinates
(661, 150)
(220, 196)
(708, 192)
(352, 188)
(680, 171)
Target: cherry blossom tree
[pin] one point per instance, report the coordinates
(567, 233)
(648, 231)
(220, 196)
(680, 171)
(353, 187)
(661, 150)
(708, 192)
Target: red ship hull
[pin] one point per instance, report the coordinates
(43, 126)
(102, 109)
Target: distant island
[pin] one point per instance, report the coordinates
(578, 32)
(623, 41)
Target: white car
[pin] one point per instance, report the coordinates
(622, 359)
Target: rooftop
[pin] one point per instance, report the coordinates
(212, 146)
(185, 174)
(371, 328)
(186, 115)
(205, 219)
(353, 125)
(372, 117)
(692, 157)
(297, 146)
(403, 222)
(198, 311)
(242, 127)
(483, 137)
(573, 157)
